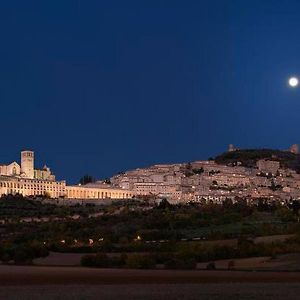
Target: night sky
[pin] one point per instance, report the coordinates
(97, 87)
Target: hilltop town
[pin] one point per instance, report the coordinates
(252, 174)
(237, 173)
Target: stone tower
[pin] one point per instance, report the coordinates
(27, 163)
(231, 148)
(294, 149)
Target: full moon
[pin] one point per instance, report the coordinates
(293, 81)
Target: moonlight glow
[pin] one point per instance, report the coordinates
(293, 81)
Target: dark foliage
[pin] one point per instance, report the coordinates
(249, 157)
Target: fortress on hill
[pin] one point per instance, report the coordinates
(26, 180)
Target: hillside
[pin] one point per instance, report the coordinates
(249, 157)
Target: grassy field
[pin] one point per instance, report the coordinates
(73, 259)
(144, 235)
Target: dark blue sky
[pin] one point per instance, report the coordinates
(103, 86)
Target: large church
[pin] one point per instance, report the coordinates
(26, 170)
(24, 179)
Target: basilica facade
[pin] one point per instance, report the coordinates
(24, 179)
(26, 169)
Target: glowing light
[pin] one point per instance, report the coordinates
(293, 81)
(138, 238)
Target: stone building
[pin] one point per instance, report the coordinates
(87, 192)
(31, 187)
(26, 169)
(27, 164)
(12, 169)
(27, 181)
(268, 166)
(57, 189)
(294, 149)
(231, 148)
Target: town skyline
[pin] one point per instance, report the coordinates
(251, 174)
(74, 178)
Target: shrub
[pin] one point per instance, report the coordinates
(101, 260)
(21, 256)
(231, 264)
(140, 261)
(211, 266)
(180, 263)
(88, 260)
(22, 253)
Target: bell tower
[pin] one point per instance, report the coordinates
(27, 163)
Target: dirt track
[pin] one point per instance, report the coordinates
(30, 275)
(74, 283)
(202, 291)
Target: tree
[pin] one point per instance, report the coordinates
(198, 171)
(140, 261)
(188, 170)
(295, 206)
(211, 266)
(164, 204)
(107, 181)
(231, 265)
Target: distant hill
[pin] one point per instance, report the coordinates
(249, 157)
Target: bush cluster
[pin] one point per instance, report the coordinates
(22, 253)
